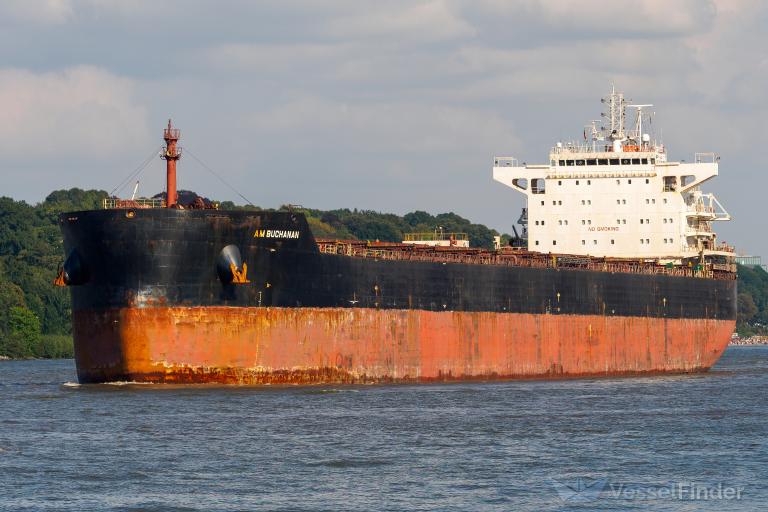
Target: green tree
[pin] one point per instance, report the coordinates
(23, 333)
(10, 296)
(746, 308)
(752, 283)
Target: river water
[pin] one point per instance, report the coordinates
(692, 442)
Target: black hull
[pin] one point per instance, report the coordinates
(169, 258)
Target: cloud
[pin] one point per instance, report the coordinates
(37, 12)
(596, 19)
(369, 103)
(422, 21)
(263, 58)
(385, 128)
(82, 112)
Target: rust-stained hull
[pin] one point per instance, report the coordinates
(274, 345)
(247, 297)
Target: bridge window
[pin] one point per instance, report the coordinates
(591, 161)
(635, 161)
(561, 162)
(602, 161)
(579, 162)
(569, 163)
(614, 161)
(645, 161)
(626, 161)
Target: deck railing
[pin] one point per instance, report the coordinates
(434, 237)
(112, 203)
(519, 258)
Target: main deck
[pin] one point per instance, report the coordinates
(519, 257)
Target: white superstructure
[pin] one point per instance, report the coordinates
(616, 195)
(438, 238)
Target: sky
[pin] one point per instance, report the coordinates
(389, 106)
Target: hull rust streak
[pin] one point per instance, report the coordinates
(359, 345)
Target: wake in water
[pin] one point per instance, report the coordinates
(118, 383)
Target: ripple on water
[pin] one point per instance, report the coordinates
(496, 446)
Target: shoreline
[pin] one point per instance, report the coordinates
(751, 341)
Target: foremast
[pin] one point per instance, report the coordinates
(171, 154)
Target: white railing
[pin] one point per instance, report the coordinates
(504, 161)
(701, 208)
(115, 203)
(705, 158)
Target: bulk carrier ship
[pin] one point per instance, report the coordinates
(615, 271)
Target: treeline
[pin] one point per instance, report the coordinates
(753, 301)
(35, 316)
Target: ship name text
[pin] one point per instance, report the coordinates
(275, 233)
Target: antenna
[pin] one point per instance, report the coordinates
(616, 106)
(595, 134)
(639, 120)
